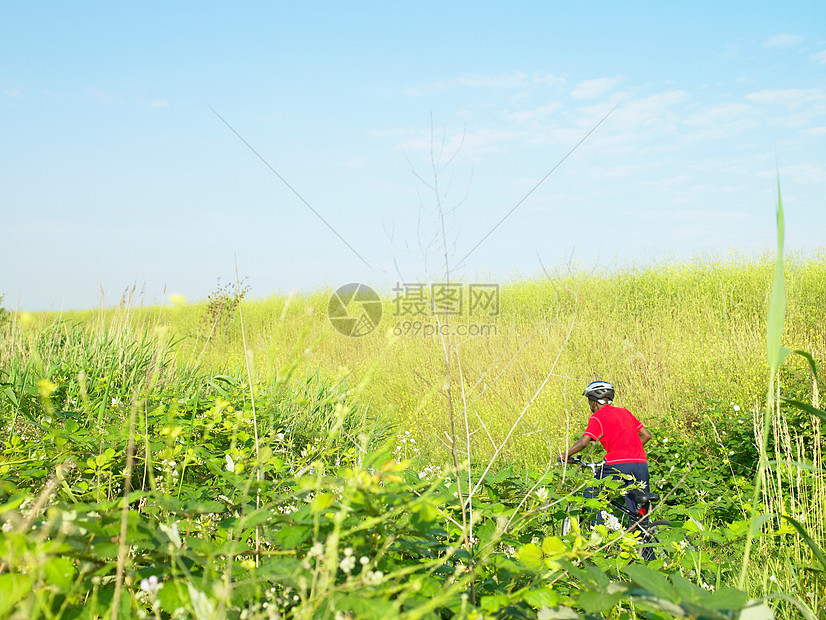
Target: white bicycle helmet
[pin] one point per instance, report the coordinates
(600, 391)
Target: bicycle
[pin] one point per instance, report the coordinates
(650, 546)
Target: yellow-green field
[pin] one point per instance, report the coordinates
(677, 341)
(149, 466)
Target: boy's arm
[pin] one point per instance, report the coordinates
(579, 445)
(645, 434)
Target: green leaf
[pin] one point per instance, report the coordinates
(758, 611)
(11, 396)
(699, 611)
(687, 590)
(59, 572)
(777, 304)
(530, 555)
(574, 571)
(652, 581)
(599, 580)
(363, 607)
(807, 408)
(557, 613)
(492, 604)
(202, 605)
(816, 550)
(322, 502)
(798, 464)
(279, 569)
(804, 610)
(542, 597)
(648, 602)
(14, 503)
(726, 598)
(255, 518)
(425, 511)
(14, 587)
(553, 546)
(595, 602)
(811, 361)
(292, 536)
(759, 521)
(172, 533)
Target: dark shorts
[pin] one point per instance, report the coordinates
(628, 474)
(638, 472)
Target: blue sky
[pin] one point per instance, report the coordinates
(115, 171)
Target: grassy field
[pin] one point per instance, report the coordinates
(150, 468)
(678, 341)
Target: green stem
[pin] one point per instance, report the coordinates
(758, 483)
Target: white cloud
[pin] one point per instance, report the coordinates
(791, 98)
(392, 133)
(648, 109)
(549, 79)
(158, 104)
(723, 112)
(622, 171)
(820, 57)
(467, 145)
(783, 40)
(514, 80)
(720, 121)
(13, 93)
(804, 173)
(506, 81)
(730, 50)
(636, 127)
(674, 183)
(541, 112)
(588, 89)
(103, 97)
(353, 163)
(517, 79)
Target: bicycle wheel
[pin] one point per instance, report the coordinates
(651, 547)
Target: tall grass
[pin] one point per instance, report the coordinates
(675, 339)
(149, 398)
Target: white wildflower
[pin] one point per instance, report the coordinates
(151, 585)
(373, 578)
(611, 522)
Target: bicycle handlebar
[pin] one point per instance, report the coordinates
(575, 460)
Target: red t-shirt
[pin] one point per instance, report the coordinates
(617, 429)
